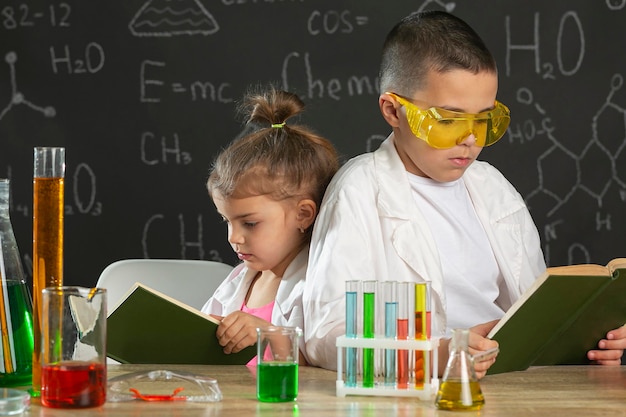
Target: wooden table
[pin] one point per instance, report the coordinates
(543, 391)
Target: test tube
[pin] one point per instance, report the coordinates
(369, 320)
(405, 293)
(391, 321)
(428, 330)
(352, 290)
(428, 311)
(421, 333)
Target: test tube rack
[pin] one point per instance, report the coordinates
(424, 393)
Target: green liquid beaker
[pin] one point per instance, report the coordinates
(16, 306)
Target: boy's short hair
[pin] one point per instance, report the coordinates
(431, 40)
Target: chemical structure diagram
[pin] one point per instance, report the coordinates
(568, 161)
(163, 18)
(17, 97)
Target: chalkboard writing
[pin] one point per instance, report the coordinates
(142, 94)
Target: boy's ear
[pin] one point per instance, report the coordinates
(389, 109)
(307, 210)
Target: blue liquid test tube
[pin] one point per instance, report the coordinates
(369, 324)
(352, 290)
(391, 316)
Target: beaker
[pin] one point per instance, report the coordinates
(73, 347)
(16, 306)
(459, 388)
(277, 363)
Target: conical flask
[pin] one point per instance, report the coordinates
(459, 388)
(16, 307)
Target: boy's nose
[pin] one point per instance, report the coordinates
(467, 140)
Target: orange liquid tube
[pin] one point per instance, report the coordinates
(405, 293)
(48, 202)
(422, 332)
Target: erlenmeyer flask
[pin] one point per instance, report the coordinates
(459, 388)
(16, 308)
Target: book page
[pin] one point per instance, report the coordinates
(615, 264)
(582, 269)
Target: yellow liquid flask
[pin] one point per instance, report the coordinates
(459, 389)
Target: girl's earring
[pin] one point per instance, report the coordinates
(301, 229)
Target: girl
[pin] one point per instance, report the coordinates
(267, 185)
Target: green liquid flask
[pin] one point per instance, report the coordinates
(16, 306)
(459, 389)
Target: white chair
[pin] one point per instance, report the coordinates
(189, 281)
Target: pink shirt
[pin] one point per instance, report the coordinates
(264, 312)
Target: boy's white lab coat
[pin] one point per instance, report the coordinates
(370, 228)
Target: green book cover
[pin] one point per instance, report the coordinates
(150, 327)
(561, 317)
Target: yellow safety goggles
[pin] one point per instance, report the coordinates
(444, 129)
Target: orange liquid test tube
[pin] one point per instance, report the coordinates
(422, 332)
(405, 292)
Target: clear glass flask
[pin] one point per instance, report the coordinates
(459, 389)
(16, 306)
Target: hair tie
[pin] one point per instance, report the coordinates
(278, 125)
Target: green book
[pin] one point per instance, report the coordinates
(562, 316)
(150, 327)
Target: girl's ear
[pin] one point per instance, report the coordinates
(389, 110)
(306, 212)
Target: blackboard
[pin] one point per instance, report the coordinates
(142, 94)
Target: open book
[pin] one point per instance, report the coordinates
(150, 327)
(561, 316)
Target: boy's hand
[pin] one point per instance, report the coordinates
(478, 343)
(611, 349)
(238, 330)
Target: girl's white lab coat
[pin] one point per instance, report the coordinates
(287, 311)
(370, 228)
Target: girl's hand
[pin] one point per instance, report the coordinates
(238, 331)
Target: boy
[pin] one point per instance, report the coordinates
(421, 208)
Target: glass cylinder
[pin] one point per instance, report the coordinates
(16, 308)
(459, 388)
(48, 201)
